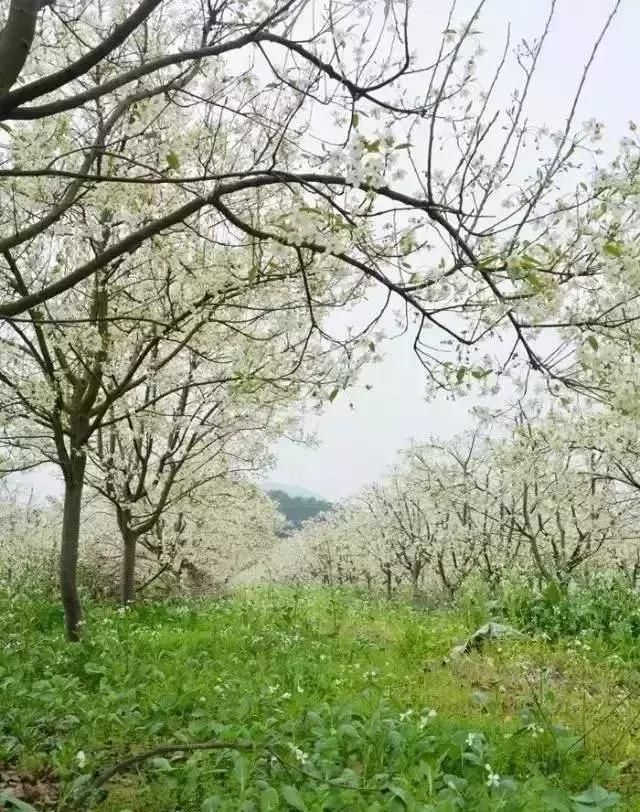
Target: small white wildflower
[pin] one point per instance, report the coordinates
(406, 714)
(426, 718)
(81, 759)
(471, 739)
(300, 755)
(493, 779)
(286, 695)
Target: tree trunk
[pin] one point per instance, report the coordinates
(73, 486)
(128, 578)
(387, 577)
(415, 582)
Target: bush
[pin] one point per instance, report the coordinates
(605, 607)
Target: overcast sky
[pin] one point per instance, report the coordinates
(357, 445)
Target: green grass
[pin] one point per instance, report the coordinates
(333, 695)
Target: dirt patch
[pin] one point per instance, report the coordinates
(40, 788)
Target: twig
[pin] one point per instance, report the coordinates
(162, 749)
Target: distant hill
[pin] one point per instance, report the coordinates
(290, 490)
(297, 509)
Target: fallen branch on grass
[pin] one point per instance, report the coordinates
(161, 750)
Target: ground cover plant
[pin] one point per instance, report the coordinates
(319, 700)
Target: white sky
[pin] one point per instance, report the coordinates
(356, 446)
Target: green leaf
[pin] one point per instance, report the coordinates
(460, 373)
(355, 120)
(534, 281)
(399, 792)
(406, 145)
(173, 162)
(349, 778)
(614, 249)
(593, 342)
(94, 668)
(293, 798)
(528, 263)
(8, 800)
(372, 346)
(241, 770)
(479, 374)
(372, 146)
(333, 395)
(211, 804)
(597, 798)
(269, 800)
(455, 782)
(160, 764)
(555, 801)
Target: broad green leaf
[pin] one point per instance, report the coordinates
(593, 342)
(401, 793)
(455, 782)
(293, 798)
(597, 797)
(269, 800)
(160, 764)
(349, 778)
(555, 801)
(241, 770)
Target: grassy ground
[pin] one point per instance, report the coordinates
(327, 701)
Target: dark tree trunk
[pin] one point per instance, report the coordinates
(128, 577)
(74, 482)
(387, 578)
(416, 572)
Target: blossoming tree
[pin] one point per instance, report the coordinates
(161, 160)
